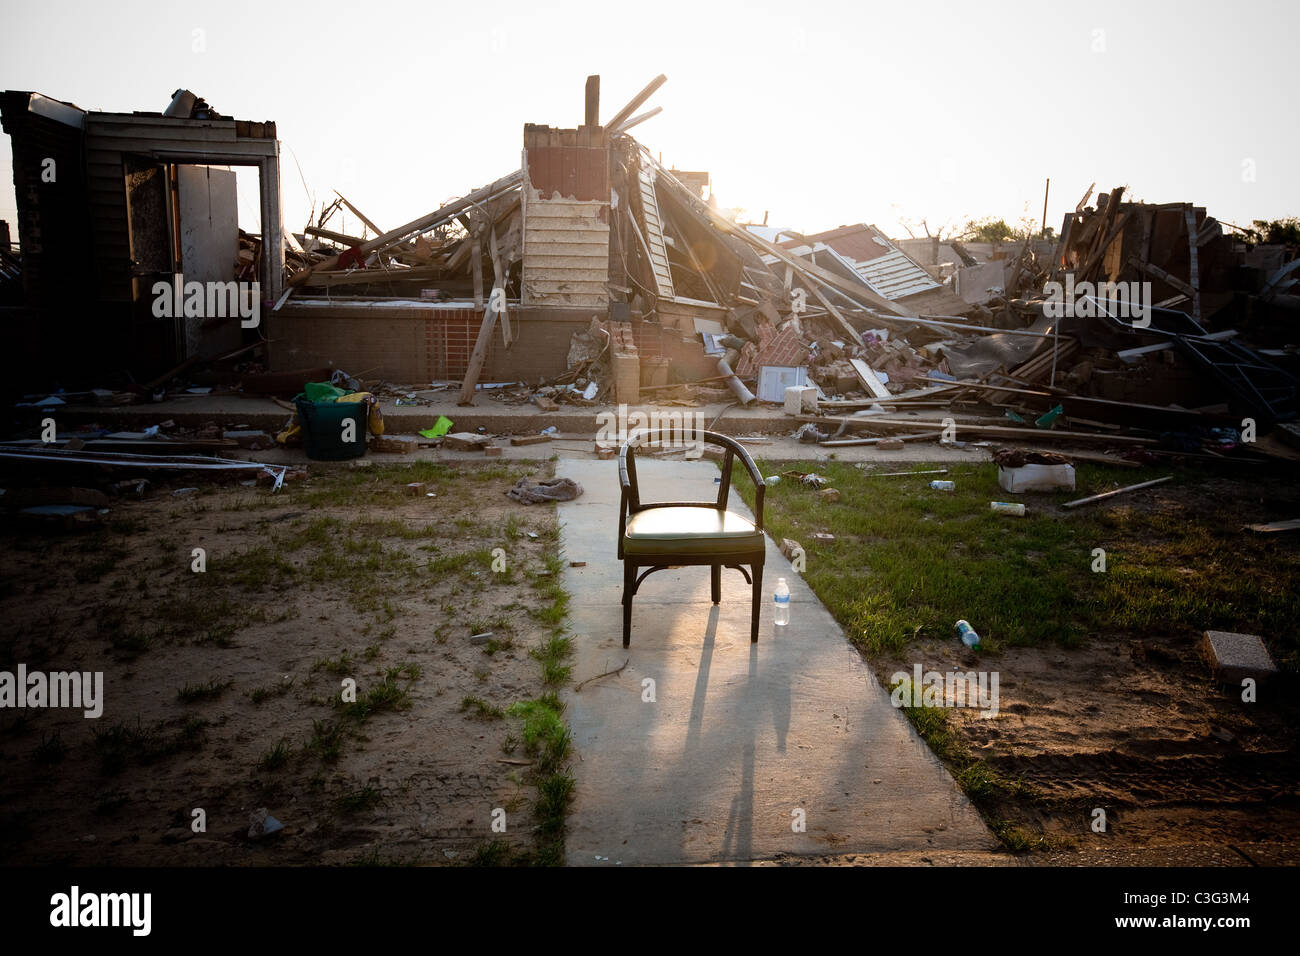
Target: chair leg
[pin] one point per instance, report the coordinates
(717, 583)
(629, 579)
(757, 571)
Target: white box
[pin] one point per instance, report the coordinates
(800, 399)
(1036, 478)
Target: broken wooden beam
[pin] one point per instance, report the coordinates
(992, 431)
(617, 119)
(869, 379)
(1118, 491)
(423, 224)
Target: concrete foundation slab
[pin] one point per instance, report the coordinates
(707, 748)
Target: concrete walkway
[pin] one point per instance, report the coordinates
(740, 741)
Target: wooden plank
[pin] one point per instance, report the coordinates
(993, 431)
(582, 210)
(181, 122)
(360, 215)
(476, 267)
(1292, 525)
(499, 282)
(1193, 267)
(845, 326)
(870, 381)
(1150, 417)
(423, 224)
(1167, 278)
(570, 265)
(1100, 459)
(618, 118)
(1118, 491)
(477, 358)
(849, 442)
(1127, 354)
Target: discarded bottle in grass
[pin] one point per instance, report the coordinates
(781, 600)
(1007, 507)
(943, 485)
(968, 635)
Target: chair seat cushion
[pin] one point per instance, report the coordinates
(689, 531)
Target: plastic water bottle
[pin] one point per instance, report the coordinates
(781, 600)
(968, 635)
(943, 485)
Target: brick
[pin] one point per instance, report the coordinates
(464, 441)
(492, 451)
(392, 444)
(249, 439)
(415, 488)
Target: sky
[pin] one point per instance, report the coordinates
(818, 114)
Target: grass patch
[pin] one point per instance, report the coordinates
(491, 853)
(276, 757)
(120, 744)
(260, 695)
(326, 740)
(480, 709)
(552, 655)
(907, 561)
(386, 695)
(355, 801)
(545, 734)
(193, 693)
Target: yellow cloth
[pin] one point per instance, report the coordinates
(374, 418)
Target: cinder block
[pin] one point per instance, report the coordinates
(1237, 656)
(627, 377)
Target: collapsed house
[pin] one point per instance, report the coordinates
(595, 274)
(110, 204)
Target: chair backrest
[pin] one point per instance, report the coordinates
(733, 450)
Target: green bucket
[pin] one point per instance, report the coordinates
(325, 429)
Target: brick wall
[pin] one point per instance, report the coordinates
(420, 344)
(433, 343)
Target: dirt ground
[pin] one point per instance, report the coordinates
(1133, 723)
(224, 690)
(1133, 726)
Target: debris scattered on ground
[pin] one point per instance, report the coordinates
(261, 824)
(531, 492)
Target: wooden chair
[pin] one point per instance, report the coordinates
(659, 535)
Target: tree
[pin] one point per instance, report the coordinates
(1282, 232)
(989, 229)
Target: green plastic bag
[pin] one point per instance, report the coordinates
(322, 392)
